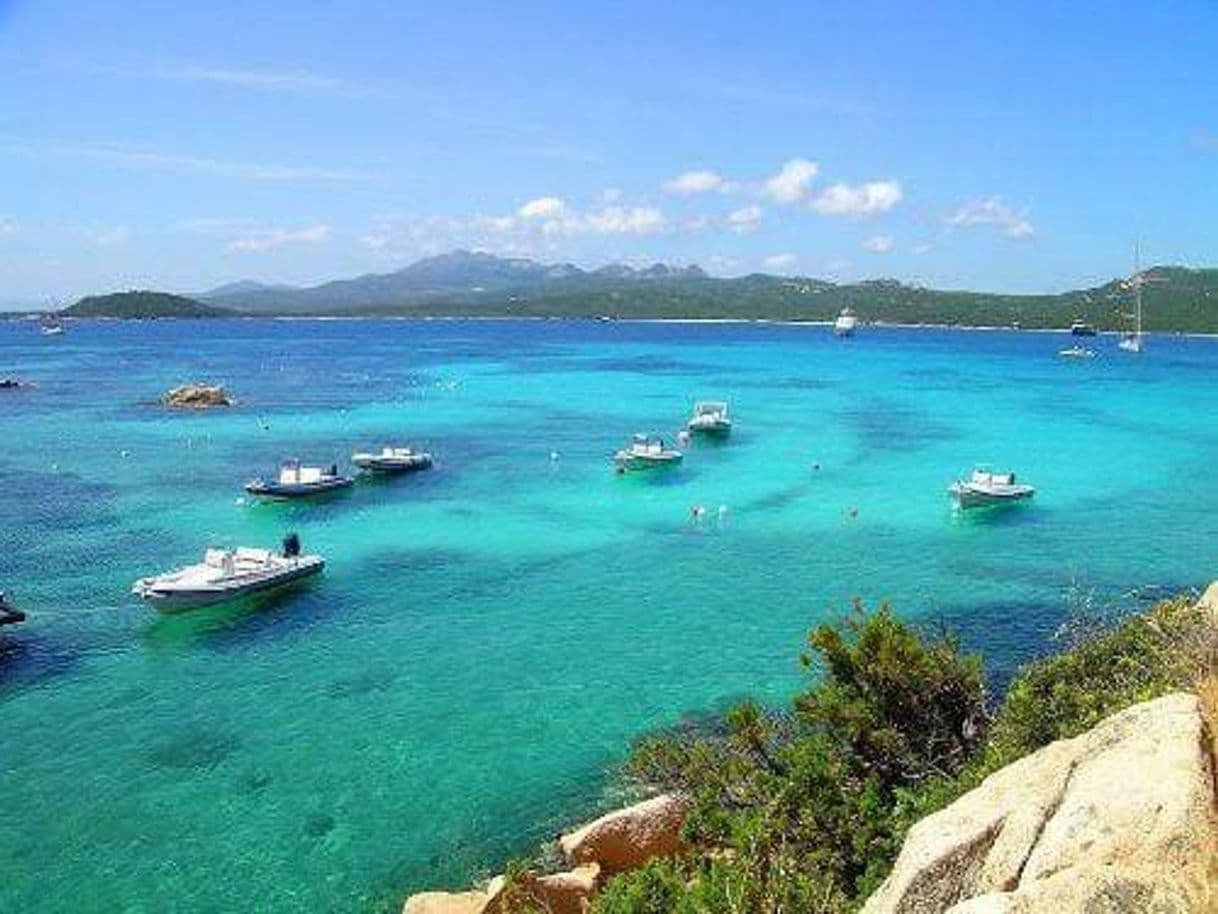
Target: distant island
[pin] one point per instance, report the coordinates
(469, 284)
(140, 304)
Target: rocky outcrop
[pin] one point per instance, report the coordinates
(197, 396)
(445, 903)
(1118, 819)
(617, 842)
(627, 838)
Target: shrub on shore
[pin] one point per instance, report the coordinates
(805, 809)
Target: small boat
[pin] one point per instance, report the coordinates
(646, 453)
(1077, 352)
(52, 326)
(1079, 328)
(392, 460)
(226, 575)
(846, 323)
(9, 615)
(296, 481)
(710, 418)
(985, 488)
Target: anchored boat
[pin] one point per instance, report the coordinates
(985, 488)
(710, 418)
(646, 452)
(846, 323)
(296, 481)
(1080, 328)
(1077, 352)
(392, 460)
(226, 575)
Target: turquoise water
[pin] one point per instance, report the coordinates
(489, 636)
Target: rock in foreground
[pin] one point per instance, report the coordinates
(197, 396)
(626, 839)
(1118, 819)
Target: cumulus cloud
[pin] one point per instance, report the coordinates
(779, 261)
(621, 220)
(878, 244)
(697, 182)
(7, 227)
(543, 208)
(271, 239)
(791, 183)
(858, 200)
(745, 220)
(611, 195)
(993, 212)
(923, 248)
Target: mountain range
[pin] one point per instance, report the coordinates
(468, 284)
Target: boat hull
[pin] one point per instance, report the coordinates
(392, 465)
(968, 497)
(634, 463)
(170, 600)
(280, 491)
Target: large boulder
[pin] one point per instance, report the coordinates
(445, 903)
(558, 893)
(626, 839)
(197, 396)
(1118, 819)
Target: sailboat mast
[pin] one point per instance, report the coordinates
(1137, 288)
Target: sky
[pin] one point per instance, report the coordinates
(993, 146)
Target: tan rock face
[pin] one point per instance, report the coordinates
(445, 903)
(560, 893)
(1118, 819)
(197, 396)
(628, 838)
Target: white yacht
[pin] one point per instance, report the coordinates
(710, 418)
(846, 323)
(392, 460)
(296, 481)
(646, 453)
(985, 487)
(226, 575)
(1132, 342)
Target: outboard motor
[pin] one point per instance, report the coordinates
(291, 546)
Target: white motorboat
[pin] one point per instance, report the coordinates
(1082, 328)
(710, 418)
(985, 488)
(1077, 352)
(296, 481)
(646, 453)
(52, 326)
(392, 460)
(226, 575)
(846, 323)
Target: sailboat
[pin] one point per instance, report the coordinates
(1132, 342)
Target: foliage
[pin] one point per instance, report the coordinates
(804, 811)
(142, 304)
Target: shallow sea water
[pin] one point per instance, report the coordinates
(489, 636)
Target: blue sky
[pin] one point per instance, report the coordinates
(1004, 146)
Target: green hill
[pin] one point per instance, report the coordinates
(143, 304)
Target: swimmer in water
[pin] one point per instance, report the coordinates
(697, 512)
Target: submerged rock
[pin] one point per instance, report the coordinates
(1118, 819)
(626, 839)
(197, 396)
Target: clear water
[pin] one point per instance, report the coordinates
(490, 636)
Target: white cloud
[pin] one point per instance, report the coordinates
(543, 208)
(619, 220)
(779, 261)
(992, 211)
(791, 183)
(611, 195)
(923, 248)
(7, 227)
(496, 224)
(271, 239)
(696, 182)
(878, 244)
(297, 82)
(183, 164)
(861, 200)
(745, 220)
